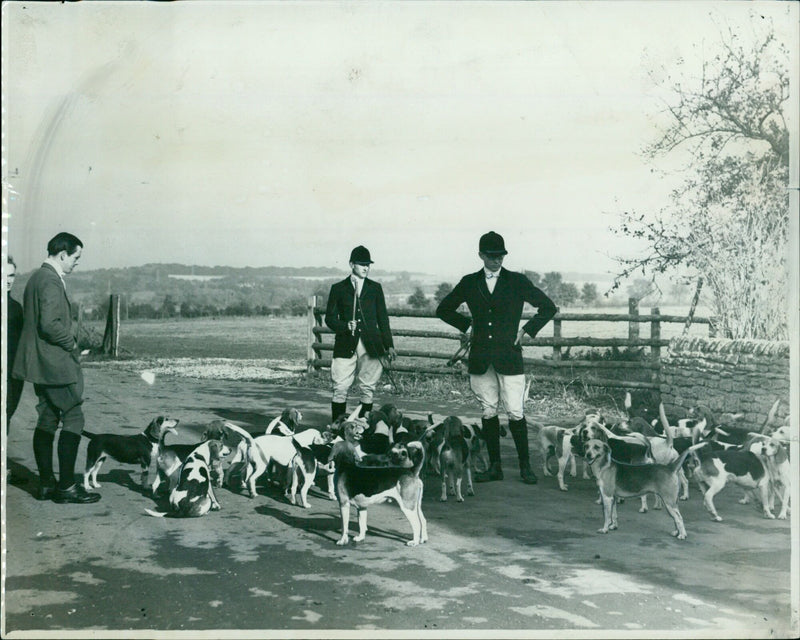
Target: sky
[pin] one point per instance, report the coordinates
(254, 134)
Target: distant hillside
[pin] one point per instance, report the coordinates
(171, 288)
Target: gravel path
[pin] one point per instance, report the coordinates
(511, 560)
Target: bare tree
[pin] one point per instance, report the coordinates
(728, 222)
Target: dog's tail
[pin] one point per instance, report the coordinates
(237, 429)
(280, 426)
(677, 464)
(771, 416)
(155, 514)
(665, 423)
(251, 445)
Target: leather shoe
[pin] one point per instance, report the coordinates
(527, 475)
(46, 490)
(493, 473)
(76, 494)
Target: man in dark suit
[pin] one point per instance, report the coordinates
(14, 386)
(356, 311)
(13, 332)
(495, 298)
(48, 357)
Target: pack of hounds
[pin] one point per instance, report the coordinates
(385, 456)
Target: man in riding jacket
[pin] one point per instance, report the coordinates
(356, 311)
(495, 298)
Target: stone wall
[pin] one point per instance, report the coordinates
(740, 376)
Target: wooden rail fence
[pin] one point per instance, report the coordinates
(554, 368)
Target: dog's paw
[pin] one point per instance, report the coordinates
(563, 487)
(358, 538)
(644, 509)
(744, 500)
(470, 491)
(769, 515)
(331, 496)
(679, 535)
(782, 516)
(716, 518)
(443, 499)
(603, 530)
(342, 541)
(215, 507)
(613, 526)
(686, 497)
(412, 543)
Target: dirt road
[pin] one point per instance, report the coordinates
(513, 557)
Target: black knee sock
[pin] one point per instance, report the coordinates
(68, 444)
(43, 452)
(337, 409)
(366, 407)
(491, 434)
(519, 431)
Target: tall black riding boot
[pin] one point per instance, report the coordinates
(43, 453)
(338, 409)
(68, 444)
(366, 407)
(519, 431)
(68, 491)
(491, 434)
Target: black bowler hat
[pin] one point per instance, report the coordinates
(492, 243)
(360, 255)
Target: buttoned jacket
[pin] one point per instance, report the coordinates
(370, 314)
(495, 318)
(47, 351)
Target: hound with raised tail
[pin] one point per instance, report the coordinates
(632, 480)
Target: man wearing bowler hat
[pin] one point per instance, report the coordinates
(357, 313)
(495, 297)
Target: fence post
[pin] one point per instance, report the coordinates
(556, 335)
(655, 334)
(633, 324)
(111, 335)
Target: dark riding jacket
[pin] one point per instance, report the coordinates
(371, 316)
(495, 318)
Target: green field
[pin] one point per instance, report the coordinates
(283, 338)
(238, 338)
